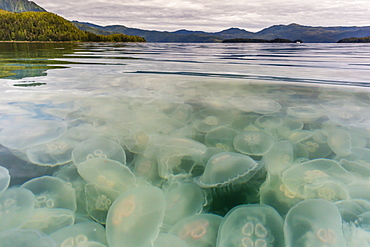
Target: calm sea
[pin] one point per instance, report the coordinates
(285, 125)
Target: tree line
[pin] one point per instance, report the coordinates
(45, 26)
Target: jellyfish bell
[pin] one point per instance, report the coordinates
(211, 118)
(253, 142)
(26, 237)
(4, 179)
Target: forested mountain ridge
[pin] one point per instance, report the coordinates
(45, 26)
(19, 6)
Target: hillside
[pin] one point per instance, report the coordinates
(45, 26)
(293, 31)
(19, 6)
(355, 40)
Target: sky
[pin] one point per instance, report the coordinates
(212, 15)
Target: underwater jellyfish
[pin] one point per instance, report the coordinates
(169, 240)
(319, 178)
(146, 169)
(262, 105)
(108, 173)
(225, 168)
(353, 210)
(279, 157)
(209, 119)
(198, 230)
(52, 192)
(78, 234)
(182, 200)
(49, 220)
(98, 148)
(182, 113)
(339, 141)
(221, 138)
(31, 132)
(4, 178)
(16, 207)
(26, 237)
(305, 113)
(135, 216)
(316, 146)
(52, 153)
(98, 201)
(251, 225)
(314, 222)
(345, 112)
(253, 142)
(243, 122)
(268, 122)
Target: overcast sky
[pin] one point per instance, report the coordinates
(212, 15)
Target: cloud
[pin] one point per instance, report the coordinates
(209, 15)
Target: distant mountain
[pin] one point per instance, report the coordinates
(355, 40)
(19, 6)
(45, 26)
(293, 31)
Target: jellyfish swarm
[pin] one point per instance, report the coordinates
(25, 237)
(135, 217)
(251, 225)
(314, 222)
(226, 176)
(198, 230)
(253, 142)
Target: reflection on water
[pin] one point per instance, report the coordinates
(192, 140)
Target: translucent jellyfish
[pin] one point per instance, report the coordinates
(16, 207)
(4, 178)
(360, 155)
(98, 148)
(345, 112)
(306, 113)
(52, 153)
(98, 201)
(279, 157)
(135, 217)
(299, 136)
(243, 122)
(177, 156)
(314, 222)
(319, 178)
(52, 192)
(226, 168)
(198, 230)
(268, 122)
(262, 105)
(339, 141)
(26, 238)
(146, 169)
(31, 132)
(353, 210)
(74, 236)
(169, 240)
(49, 220)
(222, 138)
(316, 146)
(253, 142)
(90, 244)
(251, 225)
(289, 125)
(209, 119)
(108, 173)
(183, 200)
(182, 112)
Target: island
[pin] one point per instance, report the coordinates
(277, 40)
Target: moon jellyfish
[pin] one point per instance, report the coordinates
(320, 178)
(198, 230)
(98, 148)
(16, 207)
(316, 146)
(222, 138)
(135, 217)
(4, 179)
(339, 141)
(209, 119)
(108, 173)
(169, 240)
(225, 168)
(279, 157)
(79, 234)
(26, 238)
(251, 225)
(183, 200)
(52, 192)
(182, 113)
(52, 153)
(49, 220)
(262, 105)
(305, 113)
(314, 222)
(98, 201)
(253, 142)
(146, 169)
(31, 132)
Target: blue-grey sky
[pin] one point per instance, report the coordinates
(212, 15)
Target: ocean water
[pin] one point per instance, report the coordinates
(270, 141)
